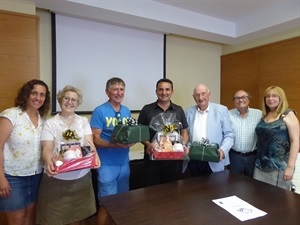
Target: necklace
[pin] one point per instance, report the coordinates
(68, 120)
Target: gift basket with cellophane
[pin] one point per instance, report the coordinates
(72, 155)
(167, 143)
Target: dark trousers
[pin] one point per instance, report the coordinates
(242, 163)
(198, 168)
(160, 171)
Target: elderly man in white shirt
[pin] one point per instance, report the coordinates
(210, 121)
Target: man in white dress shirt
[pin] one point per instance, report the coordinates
(210, 121)
(243, 122)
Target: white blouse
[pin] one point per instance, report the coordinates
(22, 151)
(53, 129)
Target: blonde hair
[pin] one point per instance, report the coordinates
(67, 88)
(283, 102)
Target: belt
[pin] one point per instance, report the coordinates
(244, 153)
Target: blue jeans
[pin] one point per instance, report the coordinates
(242, 164)
(24, 192)
(113, 180)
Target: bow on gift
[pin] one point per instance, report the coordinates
(165, 122)
(131, 122)
(205, 142)
(70, 135)
(169, 128)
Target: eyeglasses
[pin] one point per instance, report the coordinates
(118, 117)
(237, 98)
(73, 100)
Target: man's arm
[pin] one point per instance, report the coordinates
(228, 136)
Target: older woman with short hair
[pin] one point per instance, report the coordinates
(66, 198)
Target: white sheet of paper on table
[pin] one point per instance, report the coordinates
(239, 208)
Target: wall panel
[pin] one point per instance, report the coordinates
(255, 69)
(19, 53)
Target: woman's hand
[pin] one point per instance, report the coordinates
(50, 168)
(5, 188)
(98, 162)
(288, 173)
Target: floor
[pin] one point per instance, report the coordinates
(93, 220)
(98, 219)
(90, 221)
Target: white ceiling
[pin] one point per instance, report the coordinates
(223, 21)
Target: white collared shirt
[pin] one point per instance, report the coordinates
(200, 124)
(244, 129)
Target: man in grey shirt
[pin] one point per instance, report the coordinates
(243, 122)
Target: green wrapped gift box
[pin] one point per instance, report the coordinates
(126, 134)
(201, 152)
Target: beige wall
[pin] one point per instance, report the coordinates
(20, 6)
(189, 62)
(45, 47)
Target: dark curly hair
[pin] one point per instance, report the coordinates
(24, 93)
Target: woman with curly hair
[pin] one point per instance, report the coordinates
(20, 152)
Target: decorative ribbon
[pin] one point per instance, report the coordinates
(169, 128)
(131, 122)
(205, 142)
(70, 135)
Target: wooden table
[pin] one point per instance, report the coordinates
(189, 202)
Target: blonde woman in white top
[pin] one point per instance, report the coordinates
(66, 198)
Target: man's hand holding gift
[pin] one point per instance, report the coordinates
(186, 149)
(149, 148)
(222, 154)
(121, 145)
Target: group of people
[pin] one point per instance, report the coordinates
(257, 143)
(29, 144)
(266, 142)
